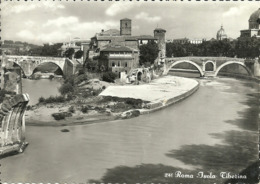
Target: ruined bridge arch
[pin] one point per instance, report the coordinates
(185, 61)
(233, 62)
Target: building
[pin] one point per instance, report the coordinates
(221, 35)
(253, 30)
(121, 48)
(77, 44)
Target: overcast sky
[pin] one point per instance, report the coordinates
(52, 21)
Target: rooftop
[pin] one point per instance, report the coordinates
(117, 49)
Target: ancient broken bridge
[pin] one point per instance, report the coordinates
(203, 63)
(29, 63)
(12, 124)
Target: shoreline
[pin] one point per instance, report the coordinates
(164, 92)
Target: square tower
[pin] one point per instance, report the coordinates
(125, 27)
(159, 34)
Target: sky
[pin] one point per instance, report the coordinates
(48, 21)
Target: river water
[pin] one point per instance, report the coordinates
(217, 124)
(41, 88)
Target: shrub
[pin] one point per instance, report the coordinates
(61, 115)
(109, 77)
(66, 88)
(84, 109)
(58, 116)
(81, 78)
(41, 100)
(96, 92)
(72, 109)
(52, 99)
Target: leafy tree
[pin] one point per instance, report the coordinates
(248, 47)
(78, 54)
(46, 50)
(91, 65)
(148, 53)
(69, 53)
(109, 77)
(66, 88)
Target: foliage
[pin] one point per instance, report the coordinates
(66, 88)
(84, 109)
(91, 65)
(242, 48)
(81, 78)
(206, 48)
(46, 50)
(109, 76)
(52, 99)
(148, 53)
(71, 109)
(61, 115)
(69, 53)
(78, 54)
(248, 47)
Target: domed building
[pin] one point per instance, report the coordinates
(254, 21)
(221, 34)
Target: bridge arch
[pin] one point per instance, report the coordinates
(233, 62)
(45, 63)
(186, 61)
(29, 68)
(210, 64)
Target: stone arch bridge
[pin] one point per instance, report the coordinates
(207, 66)
(29, 63)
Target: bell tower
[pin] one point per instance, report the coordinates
(125, 27)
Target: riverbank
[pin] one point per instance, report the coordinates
(115, 102)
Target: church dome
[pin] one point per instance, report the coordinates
(255, 16)
(254, 20)
(221, 34)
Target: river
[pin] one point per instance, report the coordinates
(214, 129)
(41, 88)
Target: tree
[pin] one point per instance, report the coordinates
(46, 50)
(66, 88)
(148, 53)
(78, 54)
(248, 47)
(109, 76)
(69, 53)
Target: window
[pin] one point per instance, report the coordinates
(118, 63)
(126, 64)
(113, 64)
